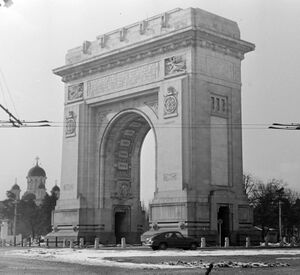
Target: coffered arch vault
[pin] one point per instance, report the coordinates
(120, 152)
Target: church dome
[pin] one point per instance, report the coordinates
(36, 171)
(55, 188)
(15, 187)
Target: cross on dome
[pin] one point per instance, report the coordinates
(37, 160)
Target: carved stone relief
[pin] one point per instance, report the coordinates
(70, 130)
(171, 103)
(123, 190)
(170, 177)
(175, 65)
(75, 92)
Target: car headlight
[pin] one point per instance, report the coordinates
(149, 241)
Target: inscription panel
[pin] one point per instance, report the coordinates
(168, 212)
(170, 177)
(123, 80)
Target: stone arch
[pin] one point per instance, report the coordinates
(154, 80)
(120, 150)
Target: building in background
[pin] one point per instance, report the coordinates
(36, 190)
(36, 183)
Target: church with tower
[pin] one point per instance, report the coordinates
(36, 190)
(36, 185)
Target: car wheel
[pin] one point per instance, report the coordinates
(163, 246)
(193, 246)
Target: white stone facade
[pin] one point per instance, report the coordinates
(179, 74)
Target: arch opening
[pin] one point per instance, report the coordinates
(122, 181)
(147, 182)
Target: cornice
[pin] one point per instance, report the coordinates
(190, 37)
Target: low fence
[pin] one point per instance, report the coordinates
(81, 243)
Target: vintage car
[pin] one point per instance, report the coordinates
(171, 239)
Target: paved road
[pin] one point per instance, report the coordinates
(17, 265)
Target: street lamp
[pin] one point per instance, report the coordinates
(14, 195)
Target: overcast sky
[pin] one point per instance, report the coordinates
(34, 38)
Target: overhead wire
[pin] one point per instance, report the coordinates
(8, 91)
(245, 126)
(233, 126)
(2, 93)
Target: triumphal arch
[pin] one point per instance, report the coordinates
(179, 74)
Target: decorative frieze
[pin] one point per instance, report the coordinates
(75, 92)
(139, 55)
(123, 80)
(171, 103)
(70, 130)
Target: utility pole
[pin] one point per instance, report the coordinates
(279, 217)
(15, 221)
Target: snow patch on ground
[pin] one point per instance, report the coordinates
(97, 257)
